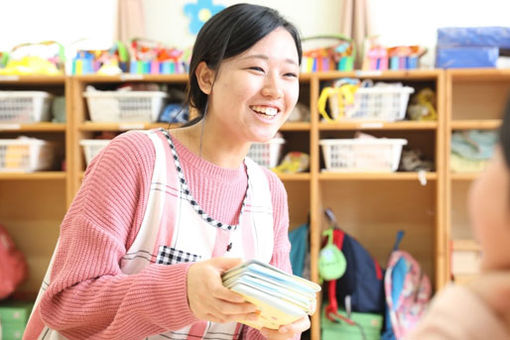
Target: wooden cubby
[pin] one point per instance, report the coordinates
(370, 206)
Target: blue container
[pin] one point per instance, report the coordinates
(466, 57)
(474, 36)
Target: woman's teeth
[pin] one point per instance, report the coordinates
(269, 111)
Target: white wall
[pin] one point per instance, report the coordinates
(397, 21)
(166, 21)
(65, 21)
(408, 22)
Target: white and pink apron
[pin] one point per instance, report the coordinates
(175, 229)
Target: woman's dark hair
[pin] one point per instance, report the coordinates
(227, 34)
(504, 134)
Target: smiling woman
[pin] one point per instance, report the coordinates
(162, 214)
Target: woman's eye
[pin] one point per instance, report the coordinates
(256, 68)
(291, 75)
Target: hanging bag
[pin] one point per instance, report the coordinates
(13, 267)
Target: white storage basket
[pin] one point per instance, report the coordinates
(385, 103)
(92, 147)
(267, 154)
(125, 106)
(362, 155)
(24, 106)
(26, 155)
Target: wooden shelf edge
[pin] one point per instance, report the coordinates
(296, 126)
(397, 74)
(466, 176)
(482, 124)
(93, 126)
(375, 125)
(479, 74)
(396, 176)
(33, 79)
(294, 177)
(33, 127)
(40, 175)
(95, 78)
(465, 245)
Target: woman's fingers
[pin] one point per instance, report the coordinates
(287, 331)
(209, 299)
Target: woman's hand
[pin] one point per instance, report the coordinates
(287, 331)
(209, 300)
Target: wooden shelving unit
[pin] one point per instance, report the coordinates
(32, 205)
(370, 206)
(475, 99)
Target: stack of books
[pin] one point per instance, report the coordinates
(281, 298)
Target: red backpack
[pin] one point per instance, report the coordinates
(13, 267)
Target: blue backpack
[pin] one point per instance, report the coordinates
(363, 280)
(361, 287)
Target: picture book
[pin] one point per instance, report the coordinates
(282, 298)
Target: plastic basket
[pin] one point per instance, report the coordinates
(119, 106)
(357, 155)
(267, 154)
(92, 147)
(24, 106)
(26, 155)
(385, 103)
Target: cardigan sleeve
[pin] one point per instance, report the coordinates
(89, 296)
(457, 313)
(281, 250)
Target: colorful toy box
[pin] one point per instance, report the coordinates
(327, 52)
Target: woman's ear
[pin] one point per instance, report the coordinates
(205, 77)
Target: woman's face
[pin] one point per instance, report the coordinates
(255, 91)
(489, 205)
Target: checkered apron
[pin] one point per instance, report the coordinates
(175, 229)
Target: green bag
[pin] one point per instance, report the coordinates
(13, 319)
(371, 324)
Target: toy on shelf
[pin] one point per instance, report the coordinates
(339, 96)
(379, 57)
(4, 57)
(107, 62)
(151, 57)
(375, 56)
(422, 106)
(293, 162)
(337, 55)
(405, 57)
(46, 58)
(351, 100)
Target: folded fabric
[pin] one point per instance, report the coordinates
(474, 144)
(461, 164)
